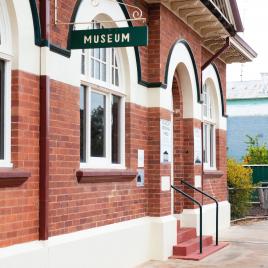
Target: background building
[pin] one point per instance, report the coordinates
(247, 109)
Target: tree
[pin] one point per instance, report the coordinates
(239, 179)
(256, 153)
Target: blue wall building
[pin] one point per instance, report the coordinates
(247, 108)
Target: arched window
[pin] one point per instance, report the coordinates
(102, 105)
(209, 139)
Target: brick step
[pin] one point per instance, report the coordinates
(196, 256)
(190, 246)
(185, 234)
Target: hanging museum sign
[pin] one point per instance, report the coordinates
(112, 37)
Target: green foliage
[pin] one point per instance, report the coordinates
(256, 153)
(240, 179)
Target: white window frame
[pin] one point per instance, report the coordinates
(104, 162)
(6, 162)
(209, 122)
(108, 89)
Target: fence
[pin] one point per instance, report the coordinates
(260, 173)
(249, 202)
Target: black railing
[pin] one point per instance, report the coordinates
(217, 207)
(200, 216)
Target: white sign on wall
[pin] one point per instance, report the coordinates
(165, 141)
(197, 146)
(140, 158)
(165, 183)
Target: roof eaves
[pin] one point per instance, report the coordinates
(226, 24)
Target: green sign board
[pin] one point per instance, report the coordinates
(113, 37)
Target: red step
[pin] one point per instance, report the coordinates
(190, 246)
(185, 234)
(196, 256)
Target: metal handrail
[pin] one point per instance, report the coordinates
(217, 207)
(200, 216)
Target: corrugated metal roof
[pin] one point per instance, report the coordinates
(254, 89)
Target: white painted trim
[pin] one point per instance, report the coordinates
(211, 79)
(190, 217)
(5, 29)
(120, 245)
(181, 62)
(106, 161)
(26, 55)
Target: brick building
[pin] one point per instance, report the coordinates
(77, 126)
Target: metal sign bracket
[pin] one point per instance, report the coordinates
(137, 14)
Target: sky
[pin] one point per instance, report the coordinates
(254, 14)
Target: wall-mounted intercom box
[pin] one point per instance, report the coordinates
(140, 177)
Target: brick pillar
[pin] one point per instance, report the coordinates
(159, 202)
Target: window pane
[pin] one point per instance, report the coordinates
(97, 53)
(97, 125)
(97, 70)
(83, 124)
(103, 54)
(205, 144)
(113, 76)
(2, 65)
(116, 65)
(115, 129)
(103, 72)
(112, 56)
(116, 77)
(92, 68)
(83, 62)
(211, 146)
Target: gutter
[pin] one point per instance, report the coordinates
(246, 46)
(44, 12)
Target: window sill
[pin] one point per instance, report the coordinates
(212, 174)
(110, 175)
(12, 177)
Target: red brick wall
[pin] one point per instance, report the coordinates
(159, 202)
(74, 206)
(19, 205)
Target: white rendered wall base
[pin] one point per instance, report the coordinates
(190, 218)
(121, 245)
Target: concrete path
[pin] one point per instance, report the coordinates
(248, 249)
